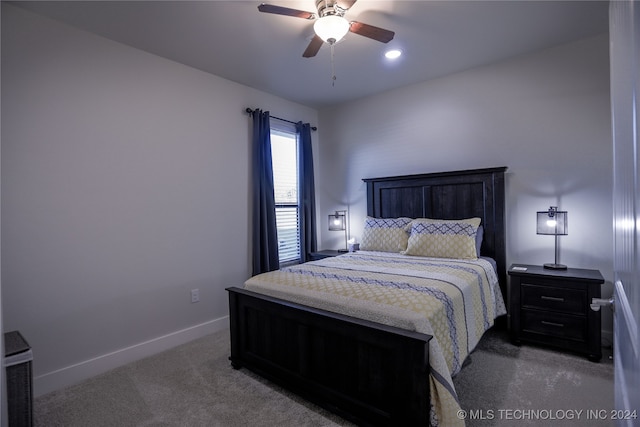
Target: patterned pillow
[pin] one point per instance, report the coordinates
(385, 234)
(443, 238)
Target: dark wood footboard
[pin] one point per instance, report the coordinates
(366, 372)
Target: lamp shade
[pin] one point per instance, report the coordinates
(331, 28)
(337, 221)
(552, 222)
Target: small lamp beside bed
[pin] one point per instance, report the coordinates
(338, 222)
(553, 222)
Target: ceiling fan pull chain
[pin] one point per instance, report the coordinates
(333, 69)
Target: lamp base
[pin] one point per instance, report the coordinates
(555, 266)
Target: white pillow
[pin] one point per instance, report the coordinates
(385, 234)
(443, 238)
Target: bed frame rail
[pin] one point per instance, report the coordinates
(368, 373)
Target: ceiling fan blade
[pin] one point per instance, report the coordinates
(375, 33)
(313, 48)
(345, 4)
(279, 10)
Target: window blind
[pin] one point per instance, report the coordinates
(284, 152)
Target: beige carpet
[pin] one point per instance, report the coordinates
(194, 385)
(527, 385)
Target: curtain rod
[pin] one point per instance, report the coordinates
(249, 111)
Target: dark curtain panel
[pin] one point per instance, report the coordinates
(265, 236)
(306, 192)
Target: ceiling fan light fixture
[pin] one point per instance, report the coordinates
(393, 53)
(331, 28)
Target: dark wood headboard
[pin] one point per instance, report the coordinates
(448, 195)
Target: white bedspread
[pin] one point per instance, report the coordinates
(455, 301)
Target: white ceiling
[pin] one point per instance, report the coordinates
(233, 40)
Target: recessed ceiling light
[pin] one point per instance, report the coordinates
(393, 53)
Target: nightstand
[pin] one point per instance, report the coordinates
(315, 256)
(551, 307)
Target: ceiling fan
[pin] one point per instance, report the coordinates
(331, 25)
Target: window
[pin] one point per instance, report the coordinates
(284, 152)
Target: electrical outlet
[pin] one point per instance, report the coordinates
(195, 295)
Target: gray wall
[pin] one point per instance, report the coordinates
(545, 115)
(125, 183)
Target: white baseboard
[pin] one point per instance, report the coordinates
(60, 378)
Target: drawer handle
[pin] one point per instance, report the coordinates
(559, 325)
(552, 298)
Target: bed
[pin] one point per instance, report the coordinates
(371, 365)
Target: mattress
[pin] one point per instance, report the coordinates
(453, 300)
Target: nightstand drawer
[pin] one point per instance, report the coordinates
(556, 299)
(554, 324)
